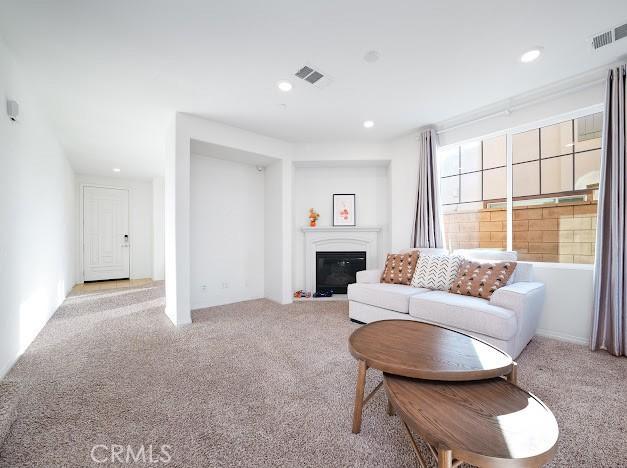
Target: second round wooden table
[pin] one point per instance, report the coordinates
(423, 351)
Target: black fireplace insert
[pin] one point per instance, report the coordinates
(336, 270)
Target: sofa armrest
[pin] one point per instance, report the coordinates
(519, 296)
(369, 276)
(526, 299)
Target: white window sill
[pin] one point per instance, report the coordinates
(562, 266)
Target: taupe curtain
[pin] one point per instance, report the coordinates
(610, 281)
(426, 230)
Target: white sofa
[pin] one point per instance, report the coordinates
(508, 320)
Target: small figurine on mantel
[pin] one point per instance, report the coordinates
(313, 217)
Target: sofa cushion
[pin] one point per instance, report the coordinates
(464, 312)
(399, 268)
(436, 271)
(388, 296)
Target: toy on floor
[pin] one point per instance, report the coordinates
(323, 293)
(302, 294)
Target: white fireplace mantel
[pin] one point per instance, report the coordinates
(307, 229)
(339, 239)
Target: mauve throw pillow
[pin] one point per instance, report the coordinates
(481, 279)
(399, 268)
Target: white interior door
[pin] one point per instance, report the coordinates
(106, 246)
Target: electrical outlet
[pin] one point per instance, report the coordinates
(225, 285)
(203, 287)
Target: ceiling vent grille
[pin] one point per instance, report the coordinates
(304, 72)
(602, 39)
(610, 36)
(313, 76)
(620, 32)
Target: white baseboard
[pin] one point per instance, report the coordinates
(563, 337)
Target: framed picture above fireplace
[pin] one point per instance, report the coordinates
(343, 209)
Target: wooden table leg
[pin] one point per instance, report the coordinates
(445, 458)
(421, 461)
(359, 396)
(512, 377)
(390, 408)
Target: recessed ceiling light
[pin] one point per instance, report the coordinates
(284, 85)
(531, 55)
(368, 124)
(116, 169)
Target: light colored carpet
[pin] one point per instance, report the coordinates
(256, 384)
(9, 400)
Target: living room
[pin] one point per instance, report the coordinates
(291, 234)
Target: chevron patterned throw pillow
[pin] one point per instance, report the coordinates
(436, 271)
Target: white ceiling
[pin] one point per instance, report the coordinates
(112, 73)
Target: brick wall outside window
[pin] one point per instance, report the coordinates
(564, 233)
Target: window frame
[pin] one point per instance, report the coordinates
(509, 132)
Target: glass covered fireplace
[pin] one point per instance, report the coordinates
(336, 270)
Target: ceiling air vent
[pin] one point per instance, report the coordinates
(313, 76)
(613, 34)
(303, 72)
(620, 32)
(602, 39)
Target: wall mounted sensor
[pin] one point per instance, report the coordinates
(13, 110)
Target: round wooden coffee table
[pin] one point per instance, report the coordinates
(488, 423)
(423, 351)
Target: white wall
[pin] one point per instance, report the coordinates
(274, 233)
(226, 232)
(158, 227)
(177, 201)
(140, 225)
(176, 232)
(567, 311)
(37, 218)
(401, 156)
(403, 174)
(341, 151)
(313, 187)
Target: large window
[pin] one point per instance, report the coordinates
(555, 176)
(471, 175)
